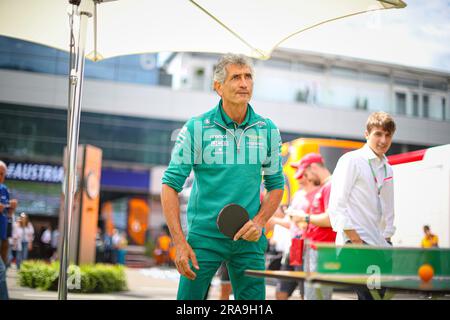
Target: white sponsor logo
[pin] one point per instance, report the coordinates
(255, 144)
(374, 280)
(219, 143)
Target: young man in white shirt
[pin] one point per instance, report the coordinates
(361, 207)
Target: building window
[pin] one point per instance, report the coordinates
(400, 103)
(444, 115)
(425, 106)
(415, 105)
(414, 83)
(344, 72)
(361, 103)
(435, 85)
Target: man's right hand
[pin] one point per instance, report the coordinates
(2, 207)
(183, 256)
(353, 236)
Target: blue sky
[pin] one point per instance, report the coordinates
(418, 35)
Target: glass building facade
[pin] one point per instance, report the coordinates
(26, 56)
(30, 132)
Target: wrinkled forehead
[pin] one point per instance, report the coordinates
(233, 69)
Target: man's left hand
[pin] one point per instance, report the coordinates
(297, 216)
(250, 231)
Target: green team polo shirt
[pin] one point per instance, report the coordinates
(229, 162)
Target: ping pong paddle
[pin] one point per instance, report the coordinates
(231, 219)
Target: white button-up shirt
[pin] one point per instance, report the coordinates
(362, 199)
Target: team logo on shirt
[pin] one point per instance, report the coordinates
(219, 143)
(261, 124)
(207, 124)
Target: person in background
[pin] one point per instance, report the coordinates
(9, 234)
(430, 240)
(3, 286)
(46, 240)
(27, 230)
(301, 201)
(361, 206)
(54, 245)
(18, 235)
(163, 245)
(108, 245)
(99, 246)
(7, 208)
(122, 248)
(115, 241)
(318, 229)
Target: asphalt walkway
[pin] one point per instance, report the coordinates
(157, 283)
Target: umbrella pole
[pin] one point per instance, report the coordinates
(78, 26)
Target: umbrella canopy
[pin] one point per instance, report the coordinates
(252, 27)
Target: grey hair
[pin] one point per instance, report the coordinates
(220, 71)
(2, 164)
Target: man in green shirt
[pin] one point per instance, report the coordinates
(231, 149)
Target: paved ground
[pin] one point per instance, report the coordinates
(151, 284)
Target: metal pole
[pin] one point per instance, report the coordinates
(78, 40)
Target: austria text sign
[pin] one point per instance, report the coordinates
(35, 172)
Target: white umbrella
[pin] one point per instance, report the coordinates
(101, 29)
(251, 27)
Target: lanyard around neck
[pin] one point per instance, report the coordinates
(378, 186)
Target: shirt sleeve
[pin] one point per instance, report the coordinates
(388, 212)
(342, 181)
(4, 197)
(326, 196)
(272, 168)
(182, 158)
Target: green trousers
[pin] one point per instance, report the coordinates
(239, 256)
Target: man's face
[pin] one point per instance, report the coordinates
(379, 140)
(311, 174)
(2, 174)
(302, 182)
(238, 85)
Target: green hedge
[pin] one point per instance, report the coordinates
(98, 278)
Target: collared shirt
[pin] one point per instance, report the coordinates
(229, 122)
(362, 197)
(229, 162)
